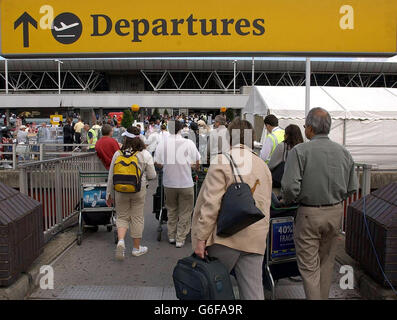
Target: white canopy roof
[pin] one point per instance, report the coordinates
(341, 103)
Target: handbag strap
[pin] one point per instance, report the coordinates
(286, 156)
(285, 147)
(234, 168)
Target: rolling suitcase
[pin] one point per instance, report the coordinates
(198, 279)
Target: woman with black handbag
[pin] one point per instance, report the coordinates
(293, 136)
(241, 178)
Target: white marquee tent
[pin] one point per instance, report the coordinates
(364, 119)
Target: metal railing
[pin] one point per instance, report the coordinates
(55, 184)
(364, 188)
(13, 155)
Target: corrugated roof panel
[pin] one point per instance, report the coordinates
(200, 64)
(388, 193)
(330, 66)
(13, 204)
(132, 65)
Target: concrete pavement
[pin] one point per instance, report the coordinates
(90, 271)
(92, 264)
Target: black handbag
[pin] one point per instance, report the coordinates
(238, 209)
(278, 172)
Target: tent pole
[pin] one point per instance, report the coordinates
(308, 74)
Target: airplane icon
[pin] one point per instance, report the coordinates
(65, 27)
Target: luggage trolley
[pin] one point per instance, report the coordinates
(280, 257)
(93, 211)
(159, 208)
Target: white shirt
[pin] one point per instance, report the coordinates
(22, 137)
(153, 141)
(164, 135)
(143, 138)
(268, 146)
(177, 154)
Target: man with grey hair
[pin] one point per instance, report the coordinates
(218, 137)
(319, 175)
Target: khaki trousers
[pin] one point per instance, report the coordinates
(315, 234)
(247, 267)
(130, 212)
(179, 204)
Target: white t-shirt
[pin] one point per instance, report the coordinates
(177, 154)
(142, 138)
(153, 142)
(164, 135)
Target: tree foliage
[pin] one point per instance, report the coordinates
(156, 113)
(128, 119)
(230, 114)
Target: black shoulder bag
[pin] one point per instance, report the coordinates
(278, 171)
(238, 209)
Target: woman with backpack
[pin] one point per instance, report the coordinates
(293, 136)
(130, 169)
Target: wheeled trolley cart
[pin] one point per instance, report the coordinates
(280, 256)
(93, 210)
(159, 208)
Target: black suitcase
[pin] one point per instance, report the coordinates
(198, 279)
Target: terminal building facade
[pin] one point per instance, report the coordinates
(179, 85)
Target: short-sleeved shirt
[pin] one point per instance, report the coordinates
(106, 148)
(177, 155)
(319, 172)
(78, 126)
(153, 142)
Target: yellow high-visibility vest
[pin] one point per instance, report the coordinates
(93, 140)
(277, 137)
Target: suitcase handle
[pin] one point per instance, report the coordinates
(207, 259)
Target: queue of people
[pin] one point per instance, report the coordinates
(317, 175)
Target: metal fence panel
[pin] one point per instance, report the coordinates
(55, 183)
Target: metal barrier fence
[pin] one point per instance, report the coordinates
(55, 183)
(12, 155)
(364, 188)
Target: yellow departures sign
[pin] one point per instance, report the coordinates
(32, 28)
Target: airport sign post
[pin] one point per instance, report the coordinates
(75, 28)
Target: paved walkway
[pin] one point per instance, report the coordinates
(90, 271)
